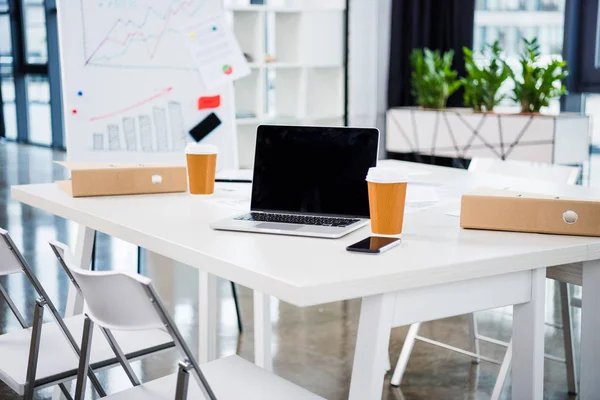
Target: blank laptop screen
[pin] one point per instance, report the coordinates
(313, 170)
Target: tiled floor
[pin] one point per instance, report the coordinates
(313, 347)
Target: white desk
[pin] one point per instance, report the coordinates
(448, 270)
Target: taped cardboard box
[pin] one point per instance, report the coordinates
(108, 179)
(505, 210)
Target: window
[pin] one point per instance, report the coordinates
(28, 115)
(35, 32)
(509, 21)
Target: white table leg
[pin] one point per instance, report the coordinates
(82, 257)
(372, 343)
(262, 331)
(207, 308)
(590, 327)
(528, 342)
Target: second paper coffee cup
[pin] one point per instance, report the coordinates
(201, 167)
(387, 198)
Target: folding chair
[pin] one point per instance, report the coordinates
(119, 301)
(47, 354)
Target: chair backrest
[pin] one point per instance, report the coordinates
(9, 263)
(115, 300)
(120, 301)
(526, 169)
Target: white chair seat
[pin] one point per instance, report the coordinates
(230, 378)
(57, 361)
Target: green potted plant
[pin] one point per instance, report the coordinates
(464, 133)
(482, 83)
(433, 79)
(538, 84)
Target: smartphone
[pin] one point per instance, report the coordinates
(374, 244)
(205, 127)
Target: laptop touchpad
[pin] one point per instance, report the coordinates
(278, 226)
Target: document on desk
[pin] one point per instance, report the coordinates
(235, 196)
(420, 197)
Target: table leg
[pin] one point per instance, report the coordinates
(207, 308)
(372, 344)
(589, 387)
(262, 331)
(82, 256)
(528, 342)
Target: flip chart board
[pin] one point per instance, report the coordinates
(132, 82)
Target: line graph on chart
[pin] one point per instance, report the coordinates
(142, 34)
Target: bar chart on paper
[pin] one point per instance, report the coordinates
(131, 84)
(148, 126)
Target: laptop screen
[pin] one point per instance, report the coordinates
(313, 170)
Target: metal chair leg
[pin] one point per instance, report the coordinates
(183, 379)
(84, 359)
(237, 307)
(569, 344)
(504, 370)
(112, 342)
(407, 348)
(65, 391)
(4, 295)
(474, 334)
(34, 349)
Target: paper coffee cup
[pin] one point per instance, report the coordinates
(387, 198)
(201, 167)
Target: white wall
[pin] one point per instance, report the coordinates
(369, 42)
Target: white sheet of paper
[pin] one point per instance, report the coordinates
(421, 194)
(216, 51)
(454, 213)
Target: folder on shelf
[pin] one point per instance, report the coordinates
(506, 210)
(107, 179)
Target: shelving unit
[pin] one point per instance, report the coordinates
(303, 82)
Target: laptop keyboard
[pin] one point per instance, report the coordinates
(298, 219)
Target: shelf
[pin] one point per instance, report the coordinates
(306, 5)
(249, 32)
(316, 118)
(311, 38)
(246, 8)
(324, 92)
(304, 84)
(283, 65)
(248, 121)
(248, 94)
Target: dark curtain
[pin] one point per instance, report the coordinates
(435, 24)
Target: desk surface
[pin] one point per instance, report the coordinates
(309, 271)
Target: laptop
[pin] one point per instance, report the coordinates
(308, 181)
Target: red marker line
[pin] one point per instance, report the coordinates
(133, 106)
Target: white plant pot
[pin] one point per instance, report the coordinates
(462, 133)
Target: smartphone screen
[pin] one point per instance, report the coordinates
(374, 244)
(205, 127)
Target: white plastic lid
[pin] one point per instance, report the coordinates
(387, 175)
(197, 148)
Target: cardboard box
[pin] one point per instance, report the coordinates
(107, 179)
(505, 210)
